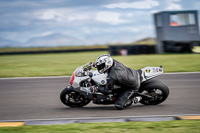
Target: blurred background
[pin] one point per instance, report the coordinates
(82, 30)
(172, 25)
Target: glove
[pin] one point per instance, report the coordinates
(92, 64)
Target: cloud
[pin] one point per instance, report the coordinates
(129, 28)
(154, 11)
(145, 4)
(49, 14)
(46, 33)
(176, 0)
(173, 5)
(109, 17)
(31, 23)
(62, 15)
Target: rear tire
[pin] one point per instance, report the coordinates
(154, 88)
(72, 98)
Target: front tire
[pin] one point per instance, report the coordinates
(155, 88)
(72, 98)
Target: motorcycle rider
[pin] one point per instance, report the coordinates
(120, 75)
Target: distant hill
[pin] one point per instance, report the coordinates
(148, 40)
(145, 41)
(32, 49)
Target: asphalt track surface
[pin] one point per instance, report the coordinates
(38, 98)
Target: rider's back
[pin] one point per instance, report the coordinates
(123, 76)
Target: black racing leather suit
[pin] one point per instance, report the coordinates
(122, 76)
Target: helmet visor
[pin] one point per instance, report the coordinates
(101, 66)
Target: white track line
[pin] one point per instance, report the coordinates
(117, 117)
(50, 77)
(183, 73)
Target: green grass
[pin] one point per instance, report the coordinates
(66, 63)
(183, 126)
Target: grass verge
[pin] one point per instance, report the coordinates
(66, 63)
(177, 126)
(4, 50)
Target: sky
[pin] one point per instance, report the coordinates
(51, 23)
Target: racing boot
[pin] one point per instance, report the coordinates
(129, 103)
(123, 99)
(104, 90)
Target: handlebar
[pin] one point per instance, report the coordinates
(85, 70)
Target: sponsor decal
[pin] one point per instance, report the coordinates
(157, 70)
(148, 71)
(154, 70)
(103, 81)
(95, 74)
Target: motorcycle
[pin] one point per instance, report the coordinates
(80, 91)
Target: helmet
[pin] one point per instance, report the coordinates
(103, 63)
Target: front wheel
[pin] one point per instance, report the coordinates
(157, 90)
(72, 98)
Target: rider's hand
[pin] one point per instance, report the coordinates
(92, 64)
(89, 67)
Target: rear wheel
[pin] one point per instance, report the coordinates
(72, 98)
(157, 90)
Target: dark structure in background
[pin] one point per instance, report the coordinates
(177, 31)
(131, 49)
